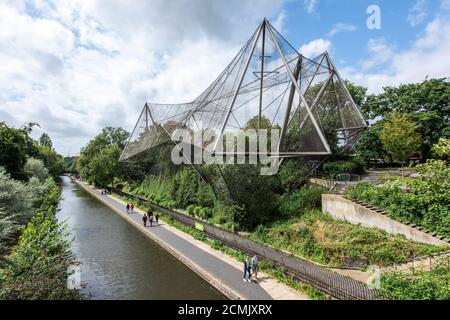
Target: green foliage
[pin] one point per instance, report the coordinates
(317, 236)
(417, 284)
(429, 95)
(70, 163)
(427, 202)
(99, 159)
(35, 168)
(291, 173)
(369, 145)
(441, 150)
(38, 265)
(305, 199)
(354, 166)
(53, 161)
(426, 102)
(399, 137)
(13, 148)
(253, 193)
(45, 140)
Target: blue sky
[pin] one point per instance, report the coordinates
(77, 66)
(349, 47)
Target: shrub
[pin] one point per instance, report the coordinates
(197, 211)
(190, 209)
(38, 264)
(305, 199)
(418, 284)
(354, 166)
(205, 213)
(35, 168)
(427, 203)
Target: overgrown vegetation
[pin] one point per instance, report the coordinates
(37, 267)
(317, 236)
(34, 249)
(425, 203)
(418, 284)
(353, 166)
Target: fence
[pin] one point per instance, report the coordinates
(426, 262)
(332, 283)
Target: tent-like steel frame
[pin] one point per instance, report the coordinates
(267, 81)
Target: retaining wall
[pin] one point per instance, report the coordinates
(344, 209)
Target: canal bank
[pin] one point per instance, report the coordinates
(118, 261)
(219, 269)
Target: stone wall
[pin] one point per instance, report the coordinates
(344, 209)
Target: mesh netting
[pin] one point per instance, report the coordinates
(268, 84)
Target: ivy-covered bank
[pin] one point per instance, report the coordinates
(37, 265)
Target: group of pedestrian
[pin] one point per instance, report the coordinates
(103, 191)
(130, 207)
(249, 266)
(149, 217)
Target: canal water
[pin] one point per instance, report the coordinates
(118, 261)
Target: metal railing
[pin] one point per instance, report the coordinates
(330, 282)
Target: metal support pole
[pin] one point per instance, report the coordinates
(238, 87)
(349, 96)
(262, 73)
(298, 70)
(319, 132)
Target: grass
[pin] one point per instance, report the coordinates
(322, 239)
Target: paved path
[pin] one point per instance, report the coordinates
(217, 268)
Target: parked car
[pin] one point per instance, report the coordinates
(376, 162)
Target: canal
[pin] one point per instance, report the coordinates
(118, 261)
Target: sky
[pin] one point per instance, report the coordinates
(77, 66)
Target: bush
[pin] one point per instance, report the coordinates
(205, 213)
(190, 209)
(355, 166)
(291, 174)
(197, 211)
(35, 168)
(300, 201)
(39, 263)
(417, 285)
(427, 203)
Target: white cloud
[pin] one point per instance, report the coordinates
(417, 13)
(427, 56)
(340, 27)
(380, 53)
(315, 47)
(310, 5)
(75, 67)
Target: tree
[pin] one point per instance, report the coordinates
(358, 93)
(99, 159)
(13, 153)
(36, 168)
(369, 145)
(441, 150)
(53, 161)
(45, 140)
(400, 138)
(105, 166)
(427, 103)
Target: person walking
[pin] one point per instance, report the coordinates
(144, 219)
(128, 208)
(255, 266)
(247, 274)
(132, 207)
(150, 219)
(157, 218)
